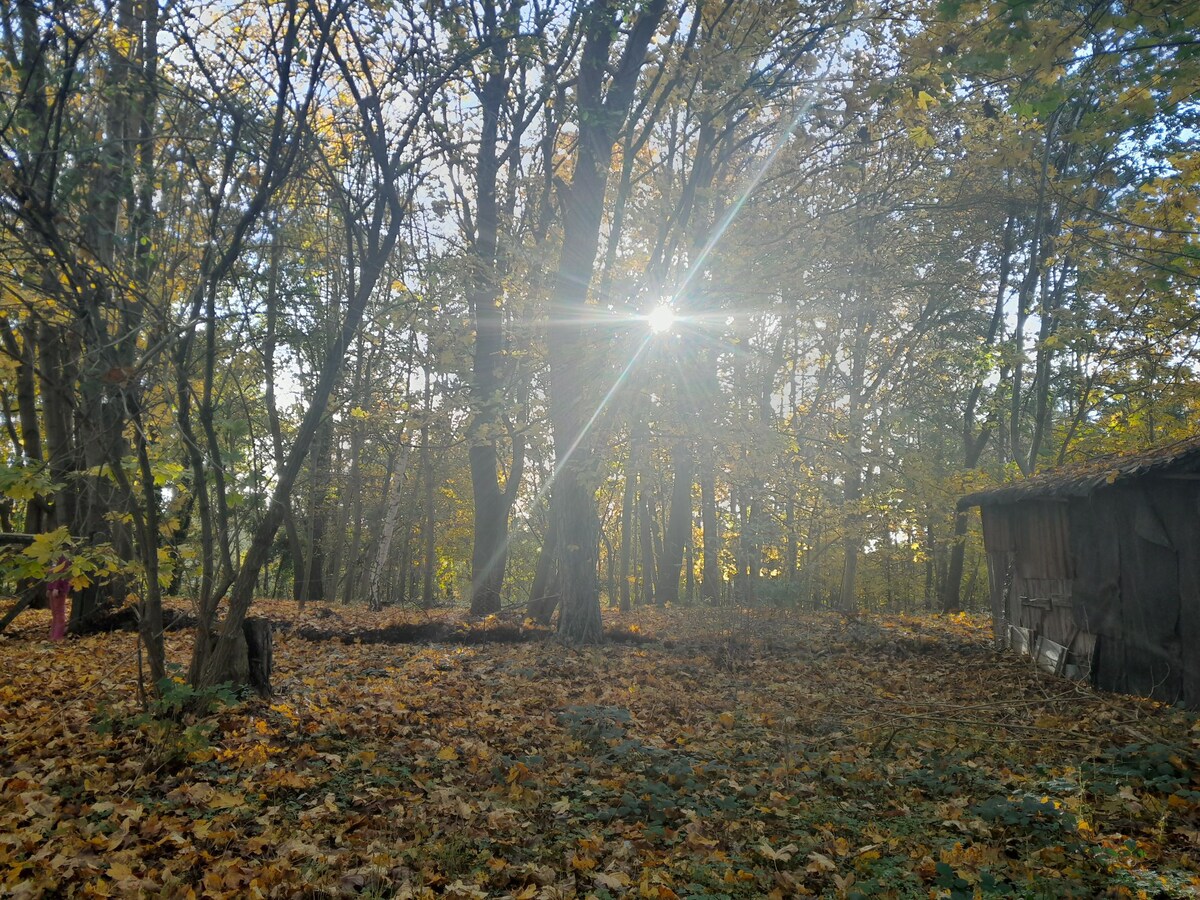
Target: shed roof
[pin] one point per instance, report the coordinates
(1181, 457)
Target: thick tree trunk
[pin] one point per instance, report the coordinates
(572, 504)
(259, 657)
(55, 374)
(544, 592)
(951, 597)
(109, 323)
(321, 473)
(847, 595)
(679, 523)
(579, 621)
(601, 116)
(489, 553)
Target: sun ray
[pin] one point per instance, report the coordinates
(757, 176)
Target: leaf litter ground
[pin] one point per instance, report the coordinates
(728, 754)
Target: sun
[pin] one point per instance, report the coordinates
(660, 319)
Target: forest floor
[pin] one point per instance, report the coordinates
(728, 754)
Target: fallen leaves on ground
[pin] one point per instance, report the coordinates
(741, 754)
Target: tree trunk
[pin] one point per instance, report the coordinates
(30, 446)
(295, 545)
(395, 495)
(489, 553)
(610, 568)
(646, 542)
(973, 444)
(259, 658)
(623, 555)
(352, 560)
(710, 582)
(601, 115)
(689, 571)
(56, 372)
(320, 476)
(349, 495)
(679, 523)
(544, 592)
(853, 472)
(428, 507)
(210, 667)
(405, 577)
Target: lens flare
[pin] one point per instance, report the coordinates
(661, 319)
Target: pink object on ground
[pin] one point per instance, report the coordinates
(57, 592)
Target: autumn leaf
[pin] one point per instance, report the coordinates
(921, 137)
(611, 880)
(780, 854)
(767, 779)
(818, 862)
(224, 800)
(582, 863)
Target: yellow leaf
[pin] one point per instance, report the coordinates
(118, 871)
(448, 754)
(517, 773)
(46, 545)
(224, 800)
(613, 880)
(921, 137)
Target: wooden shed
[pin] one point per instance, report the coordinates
(1095, 570)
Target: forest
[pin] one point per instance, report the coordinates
(651, 324)
(563, 305)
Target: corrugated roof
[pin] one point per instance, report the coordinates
(1084, 478)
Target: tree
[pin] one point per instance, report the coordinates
(602, 104)
(387, 116)
(511, 84)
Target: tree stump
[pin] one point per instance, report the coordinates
(258, 655)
